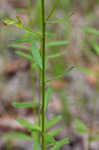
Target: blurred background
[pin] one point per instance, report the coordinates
(76, 95)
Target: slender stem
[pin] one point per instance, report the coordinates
(43, 73)
(52, 10)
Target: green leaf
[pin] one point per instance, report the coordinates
(47, 97)
(30, 36)
(80, 127)
(27, 56)
(60, 75)
(95, 45)
(28, 125)
(21, 10)
(20, 41)
(36, 145)
(90, 30)
(84, 70)
(57, 55)
(93, 138)
(49, 139)
(55, 131)
(57, 43)
(53, 122)
(59, 144)
(19, 24)
(25, 104)
(18, 135)
(18, 46)
(13, 22)
(36, 54)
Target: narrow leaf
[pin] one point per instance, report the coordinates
(19, 24)
(25, 104)
(84, 70)
(90, 30)
(20, 41)
(18, 135)
(59, 144)
(28, 125)
(55, 132)
(95, 45)
(57, 55)
(49, 139)
(47, 97)
(53, 122)
(27, 56)
(13, 22)
(18, 46)
(21, 10)
(57, 43)
(80, 126)
(36, 54)
(60, 75)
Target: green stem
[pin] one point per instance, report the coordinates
(52, 10)
(43, 73)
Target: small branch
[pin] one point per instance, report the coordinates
(52, 10)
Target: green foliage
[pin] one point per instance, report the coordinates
(57, 55)
(55, 132)
(18, 135)
(25, 104)
(36, 54)
(60, 75)
(90, 30)
(59, 144)
(47, 97)
(18, 46)
(27, 56)
(17, 22)
(40, 136)
(80, 127)
(53, 122)
(57, 43)
(19, 25)
(84, 70)
(49, 139)
(28, 125)
(95, 45)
